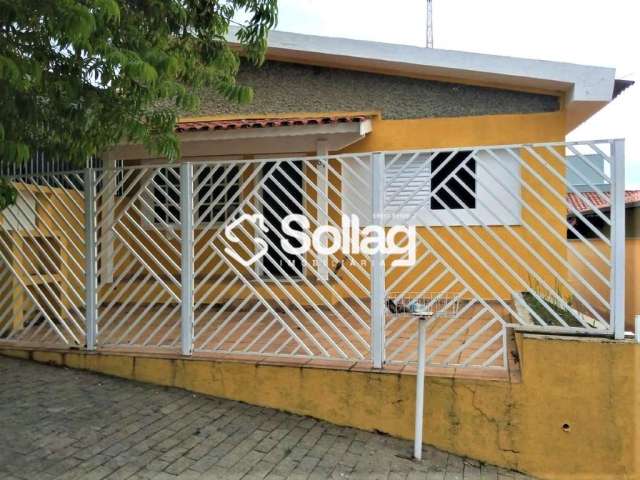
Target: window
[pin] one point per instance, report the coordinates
(406, 184)
(486, 190)
(217, 192)
(215, 198)
(449, 192)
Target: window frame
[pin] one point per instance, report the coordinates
(164, 222)
(203, 225)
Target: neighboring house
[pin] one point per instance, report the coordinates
(466, 147)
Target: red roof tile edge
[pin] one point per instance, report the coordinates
(264, 123)
(598, 200)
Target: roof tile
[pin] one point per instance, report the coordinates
(598, 200)
(264, 123)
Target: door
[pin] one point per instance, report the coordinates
(282, 195)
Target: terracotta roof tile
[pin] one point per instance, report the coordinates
(264, 123)
(598, 200)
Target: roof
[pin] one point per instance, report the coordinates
(197, 126)
(631, 197)
(587, 88)
(621, 85)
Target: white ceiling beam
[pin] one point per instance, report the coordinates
(256, 141)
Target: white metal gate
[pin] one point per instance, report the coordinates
(492, 225)
(315, 306)
(138, 238)
(42, 260)
(142, 256)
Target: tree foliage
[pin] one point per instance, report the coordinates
(77, 76)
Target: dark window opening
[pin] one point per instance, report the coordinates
(216, 200)
(167, 196)
(449, 192)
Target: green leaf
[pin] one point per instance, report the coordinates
(79, 76)
(8, 193)
(108, 9)
(9, 70)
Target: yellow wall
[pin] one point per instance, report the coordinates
(477, 131)
(47, 256)
(632, 273)
(573, 416)
(632, 281)
(460, 132)
(489, 282)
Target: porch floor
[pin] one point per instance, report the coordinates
(468, 346)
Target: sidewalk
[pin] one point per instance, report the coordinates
(67, 424)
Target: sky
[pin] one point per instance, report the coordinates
(602, 33)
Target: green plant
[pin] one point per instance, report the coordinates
(77, 76)
(549, 307)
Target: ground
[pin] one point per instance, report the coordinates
(68, 424)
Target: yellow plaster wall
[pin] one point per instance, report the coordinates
(482, 267)
(574, 414)
(44, 253)
(582, 275)
(462, 131)
(397, 135)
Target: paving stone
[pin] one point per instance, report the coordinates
(259, 471)
(266, 445)
(66, 424)
(179, 466)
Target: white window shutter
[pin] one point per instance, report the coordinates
(406, 185)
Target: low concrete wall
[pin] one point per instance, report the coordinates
(572, 416)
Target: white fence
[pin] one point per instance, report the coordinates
(139, 257)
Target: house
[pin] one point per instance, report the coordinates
(178, 274)
(474, 159)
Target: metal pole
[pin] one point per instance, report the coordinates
(91, 280)
(186, 223)
(617, 239)
(637, 329)
(429, 24)
(377, 263)
(422, 339)
(322, 150)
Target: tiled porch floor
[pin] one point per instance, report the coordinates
(260, 338)
(313, 337)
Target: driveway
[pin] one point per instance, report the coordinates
(68, 424)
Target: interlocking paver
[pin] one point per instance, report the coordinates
(66, 424)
